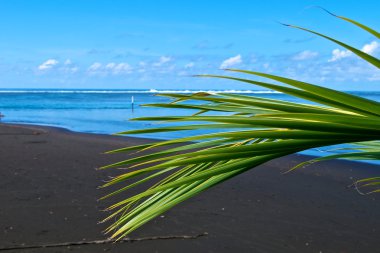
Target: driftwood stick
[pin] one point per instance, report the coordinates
(80, 243)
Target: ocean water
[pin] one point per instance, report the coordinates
(93, 111)
(105, 111)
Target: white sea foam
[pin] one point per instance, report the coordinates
(140, 91)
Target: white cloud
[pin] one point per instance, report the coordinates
(163, 60)
(110, 65)
(371, 48)
(74, 69)
(122, 68)
(305, 55)
(94, 67)
(68, 67)
(189, 65)
(110, 68)
(118, 68)
(338, 54)
(231, 61)
(48, 64)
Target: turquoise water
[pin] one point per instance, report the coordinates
(91, 111)
(102, 111)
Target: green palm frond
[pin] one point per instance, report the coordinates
(364, 27)
(249, 131)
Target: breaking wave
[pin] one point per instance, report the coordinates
(136, 91)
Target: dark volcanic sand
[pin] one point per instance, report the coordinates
(48, 194)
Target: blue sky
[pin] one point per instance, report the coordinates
(159, 44)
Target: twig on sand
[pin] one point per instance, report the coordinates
(80, 243)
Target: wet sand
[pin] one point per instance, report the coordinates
(48, 195)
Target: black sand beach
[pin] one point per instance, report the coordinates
(48, 195)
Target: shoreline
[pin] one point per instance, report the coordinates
(49, 192)
(54, 128)
(307, 153)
